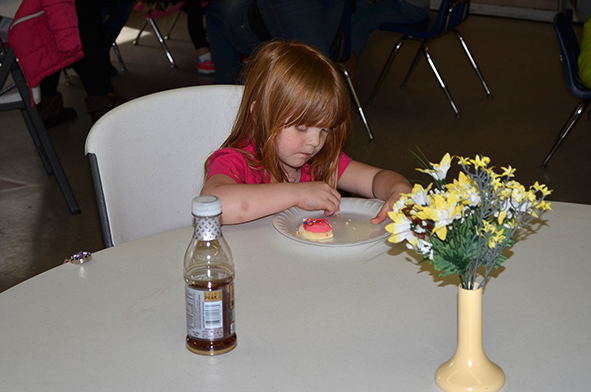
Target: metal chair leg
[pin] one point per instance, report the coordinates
(415, 61)
(386, 68)
(473, 62)
(440, 80)
(579, 109)
(162, 42)
(172, 24)
(122, 65)
(136, 41)
(355, 99)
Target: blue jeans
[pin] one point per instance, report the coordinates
(314, 22)
(369, 17)
(118, 12)
(229, 35)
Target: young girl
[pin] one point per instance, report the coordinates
(285, 147)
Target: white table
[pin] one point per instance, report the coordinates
(308, 318)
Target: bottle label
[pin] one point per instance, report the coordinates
(210, 314)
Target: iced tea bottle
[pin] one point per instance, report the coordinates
(209, 282)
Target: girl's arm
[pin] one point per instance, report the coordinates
(246, 202)
(369, 181)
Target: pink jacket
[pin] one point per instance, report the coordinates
(45, 38)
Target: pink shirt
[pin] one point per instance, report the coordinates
(232, 163)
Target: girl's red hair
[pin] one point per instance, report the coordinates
(291, 84)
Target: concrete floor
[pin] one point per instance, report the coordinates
(519, 60)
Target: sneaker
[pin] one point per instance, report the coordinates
(205, 67)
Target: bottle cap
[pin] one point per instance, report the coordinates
(207, 206)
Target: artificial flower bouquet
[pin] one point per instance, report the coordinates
(463, 225)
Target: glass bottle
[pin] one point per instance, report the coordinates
(209, 282)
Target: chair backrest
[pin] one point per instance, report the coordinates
(451, 14)
(569, 52)
(341, 46)
(147, 155)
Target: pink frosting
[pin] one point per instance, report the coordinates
(317, 225)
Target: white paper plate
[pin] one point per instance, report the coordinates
(350, 226)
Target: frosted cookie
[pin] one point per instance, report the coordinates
(315, 230)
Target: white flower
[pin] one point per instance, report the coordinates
(439, 170)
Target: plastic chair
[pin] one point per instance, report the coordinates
(146, 157)
(16, 95)
(341, 51)
(569, 53)
(451, 14)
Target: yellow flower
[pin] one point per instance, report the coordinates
(465, 190)
(541, 188)
(496, 238)
(419, 194)
(400, 228)
(508, 172)
(495, 234)
(480, 162)
(518, 192)
(502, 216)
(464, 161)
(497, 183)
(545, 206)
(442, 211)
(487, 227)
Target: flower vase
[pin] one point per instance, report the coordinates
(470, 369)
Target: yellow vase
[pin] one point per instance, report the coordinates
(470, 369)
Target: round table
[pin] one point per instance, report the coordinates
(308, 318)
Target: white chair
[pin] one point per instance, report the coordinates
(146, 157)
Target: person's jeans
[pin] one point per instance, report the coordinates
(230, 36)
(195, 12)
(367, 18)
(93, 69)
(118, 12)
(314, 22)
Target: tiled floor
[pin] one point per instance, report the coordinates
(519, 60)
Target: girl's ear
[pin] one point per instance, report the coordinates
(252, 106)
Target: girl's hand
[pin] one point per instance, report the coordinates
(371, 182)
(398, 189)
(317, 195)
(387, 207)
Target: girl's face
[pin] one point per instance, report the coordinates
(298, 143)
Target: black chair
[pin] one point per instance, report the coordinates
(569, 53)
(451, 14)
(17, 95)
(341, 51)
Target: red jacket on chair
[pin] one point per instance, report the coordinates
(45, 38)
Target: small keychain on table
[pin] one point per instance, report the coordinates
(79, 258)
